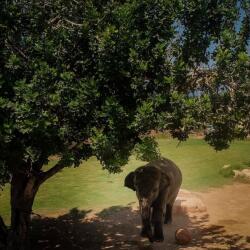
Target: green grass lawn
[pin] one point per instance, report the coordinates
(89, 187)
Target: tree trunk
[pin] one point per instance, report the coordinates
(23, 190)
(24, 187)
(3, 234)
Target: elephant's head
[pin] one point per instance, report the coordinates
(148, 182)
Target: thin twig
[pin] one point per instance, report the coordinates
(73, 23)
(18, 50)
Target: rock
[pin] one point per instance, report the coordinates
(243, 174)
(246, 172)
(188, 202)
(182, 236)
(237, 174)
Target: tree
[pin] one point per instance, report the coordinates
(91, 78)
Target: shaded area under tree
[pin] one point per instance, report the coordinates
(119, 227)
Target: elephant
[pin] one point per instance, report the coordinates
(157, 185)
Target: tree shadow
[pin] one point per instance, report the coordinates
(74, 231)
(214, 237)
(118, 228)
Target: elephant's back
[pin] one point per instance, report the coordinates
(170, 169)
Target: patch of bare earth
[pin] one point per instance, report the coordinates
(223, 224)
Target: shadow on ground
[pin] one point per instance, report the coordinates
(118, 228)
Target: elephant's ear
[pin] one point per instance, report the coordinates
(129, 181)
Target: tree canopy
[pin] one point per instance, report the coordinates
(92, 77)
(83, 78)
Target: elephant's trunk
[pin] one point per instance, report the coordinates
(145, 209)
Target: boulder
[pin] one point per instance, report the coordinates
(243, 174)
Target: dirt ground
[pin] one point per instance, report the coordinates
(225, 225)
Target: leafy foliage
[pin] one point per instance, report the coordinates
(147, 149)
(82, 78)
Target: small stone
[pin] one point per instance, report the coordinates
(182, 236)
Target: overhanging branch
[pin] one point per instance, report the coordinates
(61, 164)
(46, 175)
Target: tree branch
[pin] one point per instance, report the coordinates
(54, 19)
(46, 175)
(72, 23)
(61, 164)
(58, 22)
(19, 51)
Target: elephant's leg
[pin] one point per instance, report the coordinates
(157, 220)
(146, 230)
(168, 215)
(169, 207)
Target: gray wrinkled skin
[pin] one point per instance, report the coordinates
(157, 185)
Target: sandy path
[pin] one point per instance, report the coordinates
(229, 207)
(225, 225)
